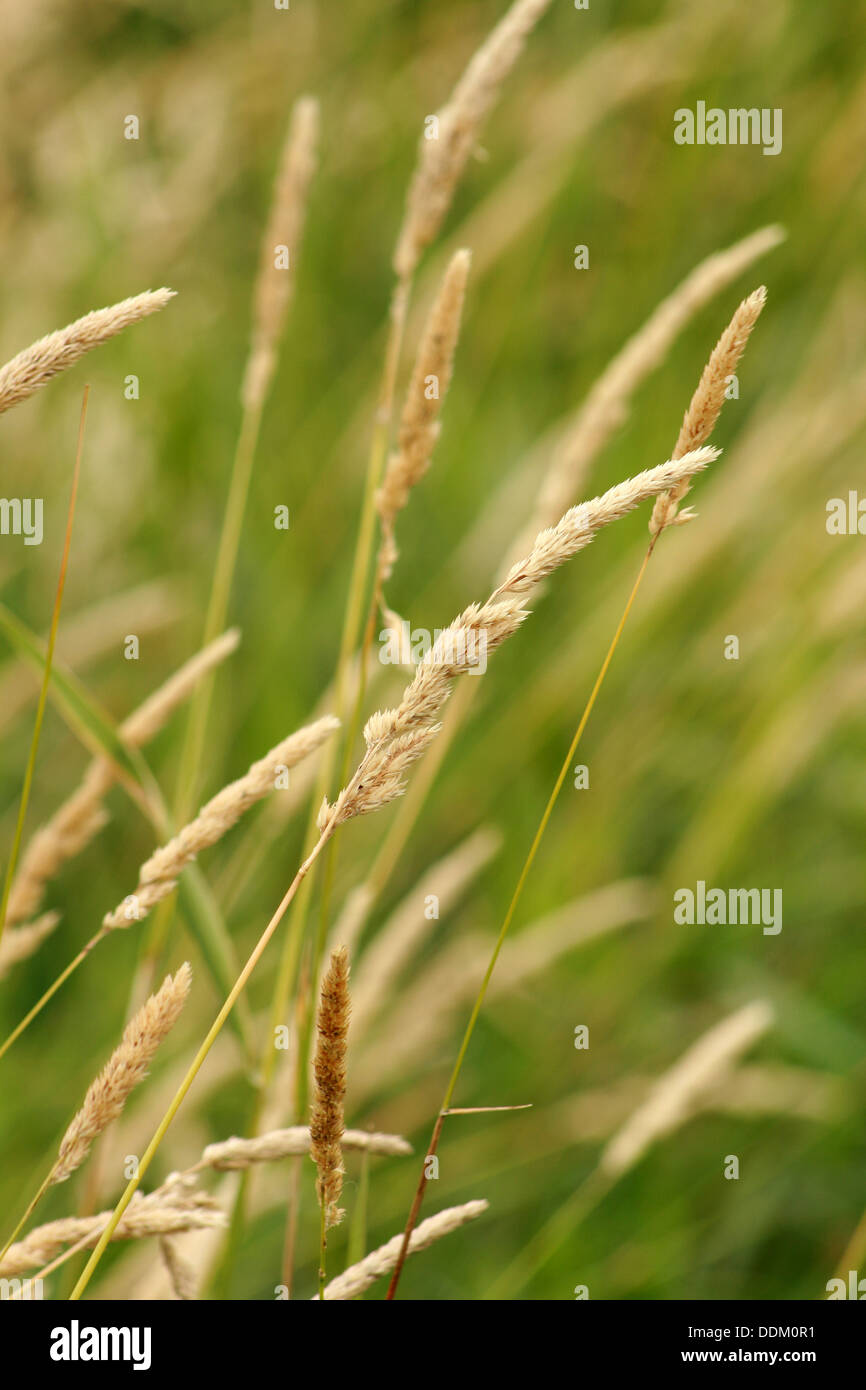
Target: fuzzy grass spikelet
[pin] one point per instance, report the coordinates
(126, 1067)
(329, 1069)
(46, 358)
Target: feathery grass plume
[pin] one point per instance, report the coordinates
(676, 1094)
(705, 405)
(20, 942)
(360, 1277)
(158, 876)
(74, 825)
(390, 751)
(126, 1067)
(52, 354)
(236, 1153)
(443, 157)
(175, 1207)
(606, 407)
(419, 423)
(329, 1091)
(274, 286)
(396, 738)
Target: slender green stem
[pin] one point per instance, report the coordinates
(223, 577)
(180, 1095)
(32, 1205)
(46, 674)
(509, 917)
(51, 991)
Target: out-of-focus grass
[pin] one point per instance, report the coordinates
(740, 773)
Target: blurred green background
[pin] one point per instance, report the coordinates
(742, 773)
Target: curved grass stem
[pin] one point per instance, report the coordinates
(509, 917)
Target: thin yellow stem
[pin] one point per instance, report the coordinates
(46, 674)
(32, 1205)
(509, 917)
(51, 991)
(221, 585)
(212, 1035)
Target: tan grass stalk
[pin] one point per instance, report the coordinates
(44, 359)
(329, 1091)
(20, 942)
(182, 1274)
(159, 874)
(171, 1209)
(442, 159)
(564, 456)
(606, 407)
(360, 1277)
(274, 286)
(684, 1087)
(125, 1069)
(707, 401)
(390, 751)
(82, 815)
(419, 423)
(236, 1153)
(398, 737)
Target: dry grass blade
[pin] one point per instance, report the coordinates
(707, 401)
(181, 1272)
(175, 1207)
(51, 355)
(125, 1069)
(231, 1154)
(396, 738)
(443, 155)
(390, 752)
(607, 404)
(275, 281)
(20, 942)
(74, 825)
(676, 1095)
(419, 423)
(360, 1277)
(159, 874)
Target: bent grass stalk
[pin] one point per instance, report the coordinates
(271, 298)
(213, 1033)
(46, 675)
(697, 426)
(438, 170)
(397, 738)
(445, 1107)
